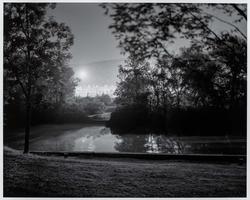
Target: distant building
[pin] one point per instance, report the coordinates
(94, 90)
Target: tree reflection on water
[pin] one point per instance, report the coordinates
(104, 139)
(148, 142)
(160, 143)
(131, 143)
(151, 142)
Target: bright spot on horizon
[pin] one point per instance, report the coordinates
(83, 75)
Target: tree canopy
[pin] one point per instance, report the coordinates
(146, 32)
(208, 70)
(36, 54)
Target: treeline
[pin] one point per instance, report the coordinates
(200, 90)
(70, 109)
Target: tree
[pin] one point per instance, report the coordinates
(209, 72)
(36, 51)
(146, 30)
(233, 57)
(198, 74)
(133, 85)
(105, 98)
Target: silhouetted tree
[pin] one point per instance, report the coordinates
(133, 85)
(36, 51)
(105, 98)
(233, 58)
(209, 72)
(199, 74)
(146, 30)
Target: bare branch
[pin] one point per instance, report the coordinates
(228, 23)
(241, 12)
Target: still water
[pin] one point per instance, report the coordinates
(98, 138)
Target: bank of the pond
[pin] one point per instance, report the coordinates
(29, 175)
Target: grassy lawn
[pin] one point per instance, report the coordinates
(30, 175)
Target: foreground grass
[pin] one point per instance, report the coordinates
(29, 175)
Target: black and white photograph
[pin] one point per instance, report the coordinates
(124, 99)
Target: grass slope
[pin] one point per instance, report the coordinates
(29, 175)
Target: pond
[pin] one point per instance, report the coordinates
(98, 138)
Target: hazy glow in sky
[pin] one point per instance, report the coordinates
(101, 74)
(83, 75)
(95, 54)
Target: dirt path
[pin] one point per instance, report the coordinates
(29, 175)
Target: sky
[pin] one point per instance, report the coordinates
(96, 56)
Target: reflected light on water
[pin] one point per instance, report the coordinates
(98, 138)
(151, 145)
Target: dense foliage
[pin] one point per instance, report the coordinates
(36, 54)
(200, 88)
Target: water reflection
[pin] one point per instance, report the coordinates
(95, 139)
(98, 138)
(150, 143)
(158, 143)
(130, 143)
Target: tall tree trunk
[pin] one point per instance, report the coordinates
(27, 126)
(233, 89)
(233, 102)
(178, 100)
(28, 97)
(165, 112)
